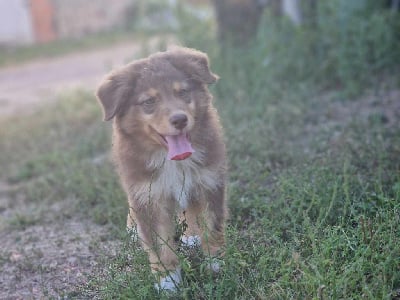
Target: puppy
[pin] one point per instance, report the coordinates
(170, 154)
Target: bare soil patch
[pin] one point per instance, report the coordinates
(45, 253)
(51, 260)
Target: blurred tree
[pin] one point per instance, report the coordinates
(238, 20)
(311, 12)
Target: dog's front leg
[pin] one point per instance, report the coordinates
(156, 229)
(191, 219)
(213, 236)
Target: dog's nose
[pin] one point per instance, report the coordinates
(179, 121)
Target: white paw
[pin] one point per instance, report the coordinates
(191, 241)
(170, 282)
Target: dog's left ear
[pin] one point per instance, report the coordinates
(116, 89)
(192, 62)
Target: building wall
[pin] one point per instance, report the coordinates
(15, 22)
(75, 18)
(29, 21)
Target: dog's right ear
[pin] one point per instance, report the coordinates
(192, 62)
(116, 89)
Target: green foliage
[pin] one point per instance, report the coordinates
(345, 45)
(152, 16)
(356, 43)
(65, 154)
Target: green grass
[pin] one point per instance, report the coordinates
(57, 158)
(314, 189)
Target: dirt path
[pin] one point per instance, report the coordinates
(27, 86)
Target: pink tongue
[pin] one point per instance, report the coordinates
(179, 147)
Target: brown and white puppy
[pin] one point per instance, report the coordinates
(170, 154)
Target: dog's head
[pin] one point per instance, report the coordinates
(160, 97)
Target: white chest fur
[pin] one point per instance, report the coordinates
(176, 179)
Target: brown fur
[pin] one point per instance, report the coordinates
(141, 98)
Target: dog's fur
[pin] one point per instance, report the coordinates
(143, 98)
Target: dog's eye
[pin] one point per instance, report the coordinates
(149, 101)
(185, 95)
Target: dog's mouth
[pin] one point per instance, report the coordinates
(179, 146)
